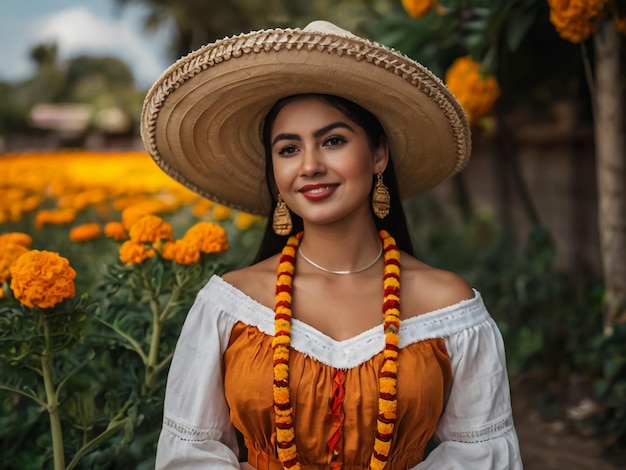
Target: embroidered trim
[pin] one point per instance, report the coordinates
(190, 433)
(486, 433)
(346, 354)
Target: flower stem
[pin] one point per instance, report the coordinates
(155, 341)
(52, 402)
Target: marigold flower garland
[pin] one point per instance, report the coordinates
(387, 402)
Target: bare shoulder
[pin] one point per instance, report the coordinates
(256, 281)
(425, 288)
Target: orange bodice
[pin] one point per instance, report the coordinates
(424, 379)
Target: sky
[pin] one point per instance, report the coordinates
(93, 27)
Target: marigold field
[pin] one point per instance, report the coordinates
(101, 255)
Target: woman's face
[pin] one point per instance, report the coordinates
(323, 163)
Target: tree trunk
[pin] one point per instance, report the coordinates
(611, 171)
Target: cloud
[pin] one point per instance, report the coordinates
(79, 30)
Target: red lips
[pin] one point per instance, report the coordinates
(317, 192)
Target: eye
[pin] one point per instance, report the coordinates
(288, 150)
(334, 140)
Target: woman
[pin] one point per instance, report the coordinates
(336, 348)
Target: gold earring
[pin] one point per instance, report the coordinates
(381, 201)
(281, 223)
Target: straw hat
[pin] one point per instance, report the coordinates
(202, 119)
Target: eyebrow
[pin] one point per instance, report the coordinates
(317, 133)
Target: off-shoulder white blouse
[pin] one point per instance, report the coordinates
(452, 382)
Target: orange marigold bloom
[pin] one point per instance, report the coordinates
(149, 229)
(10, 251)
(137, 208)
(201, 208)
(576, 20)
(55, 216)
(116, 231)
(17, 238)
(42, 279)
(31, 202)
(209, 237)
(181, 252)
(244, 221)
(221, 212)
(418, 8)
(476, 91)
(132, 252)
(85, 232)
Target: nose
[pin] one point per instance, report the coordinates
(312, 163)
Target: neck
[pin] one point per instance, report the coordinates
(340, 250)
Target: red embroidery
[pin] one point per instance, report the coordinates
(336, 409)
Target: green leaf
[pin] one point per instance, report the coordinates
(612, 367)
(518, 25)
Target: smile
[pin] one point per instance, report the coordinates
(316, 192)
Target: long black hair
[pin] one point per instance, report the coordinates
(395, 222)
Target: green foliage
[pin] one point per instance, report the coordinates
(503, 35)
(521, 289)
(551, 322)
(605, 357)
(12, 114)
(109, 352)
(112, 69)
(45, 356)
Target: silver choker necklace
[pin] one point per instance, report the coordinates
(326, 270)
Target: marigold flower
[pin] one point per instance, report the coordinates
(31, 202)
(476, 91)
(116, 231)
(576, 20)
(132, 214)
(149, 229)
(85, 232)
(134, 209)
(201, 208)
(42, 279)
(221, 212)
(9, 253)
(17, 238)
(132, 252)
(209, 237)
(244, 221)
(54, 216)
(418, 8)
(181, 252)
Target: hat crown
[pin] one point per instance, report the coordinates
(326, 27)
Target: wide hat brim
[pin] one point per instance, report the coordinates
(202, 119)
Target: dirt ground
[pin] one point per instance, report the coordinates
(555, 445)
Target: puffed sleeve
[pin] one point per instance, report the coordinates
(476, 429)
(197, 432)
